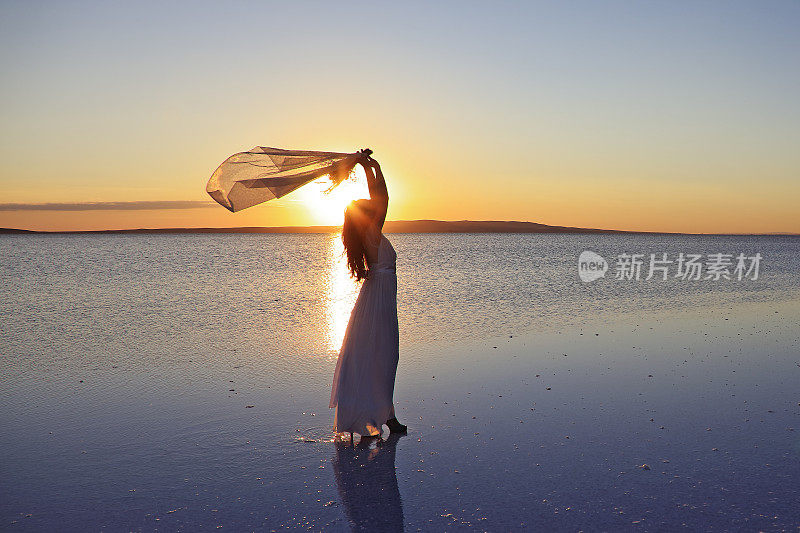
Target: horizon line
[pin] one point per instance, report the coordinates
(390, 226)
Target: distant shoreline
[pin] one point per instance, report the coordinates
(396, 226)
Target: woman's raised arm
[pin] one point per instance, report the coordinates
(378, 193)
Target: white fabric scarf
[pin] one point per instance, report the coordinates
(249, 178)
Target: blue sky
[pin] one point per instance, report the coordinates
(549, 103)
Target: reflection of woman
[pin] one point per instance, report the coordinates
(363, 382)
(367, 484)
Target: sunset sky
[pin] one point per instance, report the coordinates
(658, 116)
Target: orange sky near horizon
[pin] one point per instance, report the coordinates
(629, 207)
(428, 187)
(644, 118)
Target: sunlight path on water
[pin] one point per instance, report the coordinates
(341, 293)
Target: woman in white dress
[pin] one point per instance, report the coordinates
(363, 382)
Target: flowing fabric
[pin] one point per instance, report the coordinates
(249, 178)
(363, 382)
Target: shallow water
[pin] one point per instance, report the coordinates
(129, 363)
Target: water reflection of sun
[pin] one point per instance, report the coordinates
(340, 294)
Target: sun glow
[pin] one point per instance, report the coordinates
(328, 208)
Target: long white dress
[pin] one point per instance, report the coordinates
(363, 382)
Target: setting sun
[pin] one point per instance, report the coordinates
(327, 208)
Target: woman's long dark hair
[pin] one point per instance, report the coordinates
(356, 217)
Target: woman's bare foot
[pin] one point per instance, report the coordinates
(395, 426)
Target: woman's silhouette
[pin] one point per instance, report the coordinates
(367, 483)
(363, 382)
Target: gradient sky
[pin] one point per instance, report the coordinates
(663, 116)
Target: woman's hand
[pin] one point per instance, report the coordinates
(365, 156)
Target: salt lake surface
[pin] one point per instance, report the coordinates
(180, 382)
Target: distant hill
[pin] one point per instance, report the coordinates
(483, 226)
(392, 226)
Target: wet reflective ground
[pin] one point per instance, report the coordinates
(181, 382)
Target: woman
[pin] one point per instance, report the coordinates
(363, 383)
